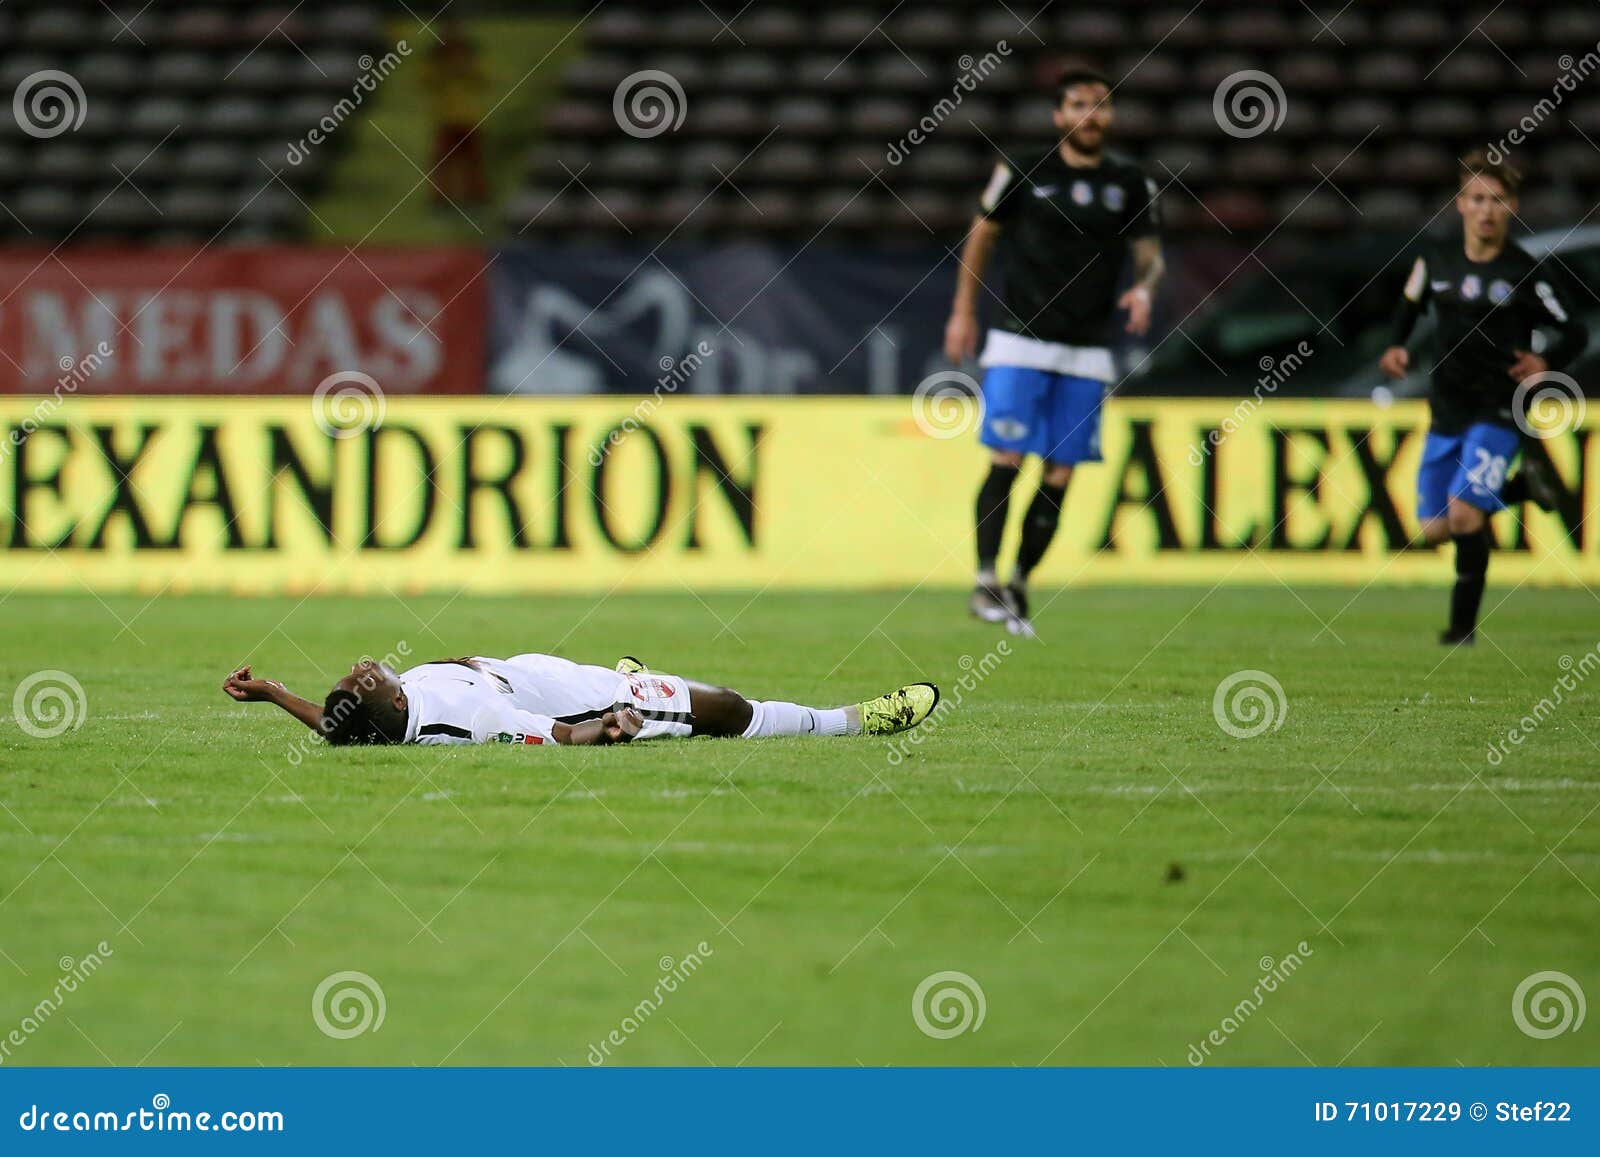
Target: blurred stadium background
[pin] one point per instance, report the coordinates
(242, 198)
(425, 306)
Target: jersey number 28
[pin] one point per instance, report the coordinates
(1489, 473)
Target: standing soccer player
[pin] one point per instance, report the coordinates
(1066, 226)
(1489, 296)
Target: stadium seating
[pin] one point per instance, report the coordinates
(794, 113)
(189, 110)
(793, 101)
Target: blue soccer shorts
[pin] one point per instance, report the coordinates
(1055, 416)
(1470, 466)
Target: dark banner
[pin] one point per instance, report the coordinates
(821, 321)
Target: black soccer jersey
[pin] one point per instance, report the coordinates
(1484, 311)
(1066, 237)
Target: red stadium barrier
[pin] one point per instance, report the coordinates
(255, 320)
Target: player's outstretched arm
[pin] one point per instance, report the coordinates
(243, 688)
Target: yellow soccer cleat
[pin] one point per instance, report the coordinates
(628, 665)
(898, 710)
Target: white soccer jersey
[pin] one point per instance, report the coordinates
(518, 700)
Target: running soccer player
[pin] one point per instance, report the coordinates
(542, 699)
(1068, 223)
(1488, 296)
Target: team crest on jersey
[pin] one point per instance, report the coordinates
(1471, 287)
(1113, 198)
(641, 688)
(1082, 194)
(1499, 290)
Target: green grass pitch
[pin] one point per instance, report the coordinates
(1078, 836)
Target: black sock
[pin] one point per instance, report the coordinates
(1472, 567)
(1044, 515)
(994, 496)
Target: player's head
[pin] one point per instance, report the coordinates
(366, 706)
(1083, 108)
(1487, 198)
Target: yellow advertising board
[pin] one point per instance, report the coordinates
(591, 495)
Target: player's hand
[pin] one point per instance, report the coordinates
(242, 688)
(961, 336)
(621, 726)
(1396, 361)
(1526, 365)
(1137, 302)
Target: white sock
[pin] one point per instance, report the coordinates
(988, 578)
(774, 717)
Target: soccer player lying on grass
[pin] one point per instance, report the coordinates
(538, 699)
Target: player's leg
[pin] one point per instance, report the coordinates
(1011, 399)
(994, 501)
(1441, 455)
(1475, 494)
(1038, 528)
(674, 706)
(1071, 434)
(1469, 533)
(1537, 480)
(718, 711)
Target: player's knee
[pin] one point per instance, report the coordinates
(1435, 531)
(1057, 475)
(1464, 519)
(1010, 458)
(718, 711)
